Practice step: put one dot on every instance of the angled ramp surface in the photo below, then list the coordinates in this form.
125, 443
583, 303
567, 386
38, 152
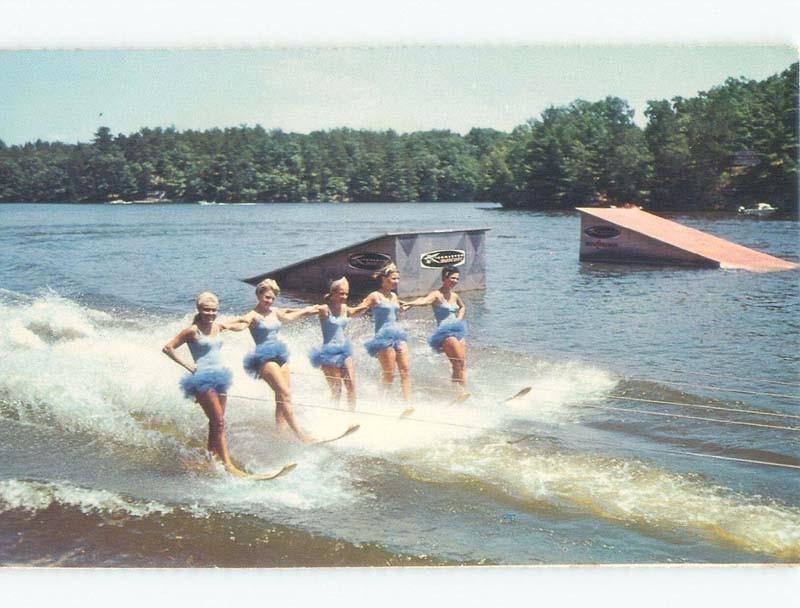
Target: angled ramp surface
646, 238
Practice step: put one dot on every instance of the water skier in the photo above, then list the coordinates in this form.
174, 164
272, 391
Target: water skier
270, 359
448, 310
390, 344
207, 381
335, 357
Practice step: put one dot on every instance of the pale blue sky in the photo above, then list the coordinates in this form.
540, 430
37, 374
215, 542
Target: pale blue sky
59, 95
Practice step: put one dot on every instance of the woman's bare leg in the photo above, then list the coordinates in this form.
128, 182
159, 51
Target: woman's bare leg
387, 358
456, 351
348, 375
276, 377
402, 360
213, 405
334, 377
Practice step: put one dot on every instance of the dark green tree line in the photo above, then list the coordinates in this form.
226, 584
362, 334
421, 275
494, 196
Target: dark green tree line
735, 144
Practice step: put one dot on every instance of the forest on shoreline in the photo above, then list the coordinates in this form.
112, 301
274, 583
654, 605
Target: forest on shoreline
736, 144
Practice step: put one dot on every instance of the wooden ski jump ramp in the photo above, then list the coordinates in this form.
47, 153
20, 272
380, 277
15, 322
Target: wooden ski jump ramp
631, 236
420, 257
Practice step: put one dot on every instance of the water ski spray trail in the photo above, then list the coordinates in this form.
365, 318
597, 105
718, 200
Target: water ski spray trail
39, 496
628, 491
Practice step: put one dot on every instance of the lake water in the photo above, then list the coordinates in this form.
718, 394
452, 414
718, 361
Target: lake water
662, 425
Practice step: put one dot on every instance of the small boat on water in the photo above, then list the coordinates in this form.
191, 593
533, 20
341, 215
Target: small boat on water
153, 196
760, 210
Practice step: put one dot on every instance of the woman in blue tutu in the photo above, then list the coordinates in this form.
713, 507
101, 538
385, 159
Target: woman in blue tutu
207, 381
335, 357
448, 310
390, 344
270, 359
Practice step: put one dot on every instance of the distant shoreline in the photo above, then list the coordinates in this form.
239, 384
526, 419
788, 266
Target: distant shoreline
484, 205
733, 146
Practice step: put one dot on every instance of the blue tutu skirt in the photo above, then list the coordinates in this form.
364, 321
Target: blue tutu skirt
455, 328
331, 354
271, 350
389, 336
205, 379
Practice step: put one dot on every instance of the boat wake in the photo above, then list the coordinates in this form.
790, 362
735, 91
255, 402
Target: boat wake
80, 376
564, 483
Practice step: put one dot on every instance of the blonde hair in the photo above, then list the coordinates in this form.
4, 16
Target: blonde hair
267, 284
337, 285
385, 271
204, 298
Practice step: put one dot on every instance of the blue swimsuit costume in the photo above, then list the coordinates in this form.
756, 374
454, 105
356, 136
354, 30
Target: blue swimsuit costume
387, 333
210, 374
449, 325
335, 347
268, 347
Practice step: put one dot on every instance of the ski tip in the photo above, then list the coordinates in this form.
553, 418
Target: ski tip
350, 430
520, 393
406, 412
460, 399
270, 476
287, 469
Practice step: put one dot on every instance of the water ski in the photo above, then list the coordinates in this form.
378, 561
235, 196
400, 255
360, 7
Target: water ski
406, 412
350, 430
270, 476
520, 393
460, 399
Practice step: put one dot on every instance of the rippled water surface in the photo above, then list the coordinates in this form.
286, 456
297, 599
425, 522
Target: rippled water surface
662, 424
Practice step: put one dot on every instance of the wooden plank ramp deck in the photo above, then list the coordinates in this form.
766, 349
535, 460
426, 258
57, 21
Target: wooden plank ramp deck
647, 238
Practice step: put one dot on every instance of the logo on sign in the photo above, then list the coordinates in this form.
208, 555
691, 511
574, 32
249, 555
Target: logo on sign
602, 232
442, 258
368, 261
